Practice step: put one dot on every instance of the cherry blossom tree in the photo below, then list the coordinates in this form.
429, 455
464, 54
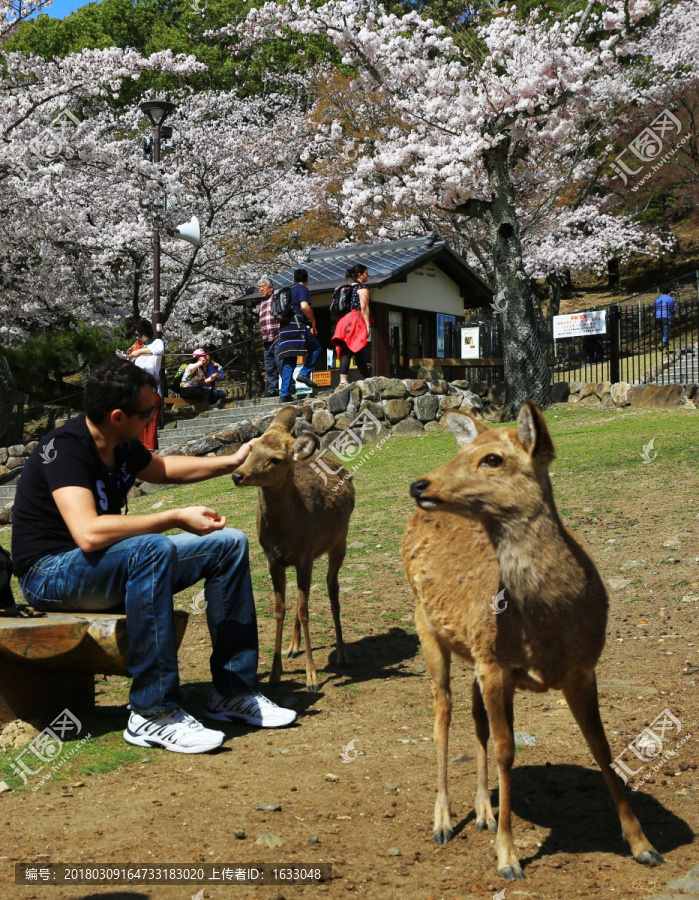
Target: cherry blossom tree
490, 128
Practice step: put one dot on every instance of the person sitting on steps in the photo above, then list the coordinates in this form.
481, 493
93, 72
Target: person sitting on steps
73, 550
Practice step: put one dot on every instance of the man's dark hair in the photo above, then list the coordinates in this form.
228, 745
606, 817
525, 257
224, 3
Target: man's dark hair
115, 384
300, 275
143, 326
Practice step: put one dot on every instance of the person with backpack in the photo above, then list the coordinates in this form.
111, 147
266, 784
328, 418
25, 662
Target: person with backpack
352, 332
297, 337
74, 550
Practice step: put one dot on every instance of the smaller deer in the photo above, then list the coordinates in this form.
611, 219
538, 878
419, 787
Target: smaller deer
488, 524
300, 518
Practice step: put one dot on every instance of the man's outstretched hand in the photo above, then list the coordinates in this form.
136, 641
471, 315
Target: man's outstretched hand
200, 520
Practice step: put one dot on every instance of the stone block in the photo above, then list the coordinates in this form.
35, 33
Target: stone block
228, 449
471, 401
322, 421
16, 450
344, 421
31, 447
690, 392
446, 403
327, 439
247, 431
426, 407
228, 435
407, 426
620, 392
656, 396
602, 389
374, 408
462, 385
264, 422
440, 387
590, 401
434, 426
3, 455
560, 391
496, 394
3, 471
586, 390
480, 387
202, 447
306, 411
338, 401
416, 388
576, 386
397, 410
391, 388
368, 390
15, 462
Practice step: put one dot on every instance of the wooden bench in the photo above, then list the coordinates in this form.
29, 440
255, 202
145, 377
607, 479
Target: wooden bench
50, 663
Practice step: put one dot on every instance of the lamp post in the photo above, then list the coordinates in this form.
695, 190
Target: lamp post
156, 111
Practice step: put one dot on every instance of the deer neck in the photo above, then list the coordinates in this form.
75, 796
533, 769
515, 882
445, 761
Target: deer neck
278, 496
533, 554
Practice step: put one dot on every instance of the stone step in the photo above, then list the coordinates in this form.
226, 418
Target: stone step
7, 494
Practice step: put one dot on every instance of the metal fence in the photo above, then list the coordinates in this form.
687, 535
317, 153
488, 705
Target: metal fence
634, 349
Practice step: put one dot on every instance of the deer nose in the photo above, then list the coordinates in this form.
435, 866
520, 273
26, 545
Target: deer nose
417, 488
238, 477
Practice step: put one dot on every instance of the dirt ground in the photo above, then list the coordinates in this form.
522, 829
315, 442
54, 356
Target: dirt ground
168, 808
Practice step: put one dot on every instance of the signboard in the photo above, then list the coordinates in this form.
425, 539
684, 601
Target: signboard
593, 321
322, 379
470, 343
441, 321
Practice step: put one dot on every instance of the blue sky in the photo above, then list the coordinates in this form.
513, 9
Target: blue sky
63, 8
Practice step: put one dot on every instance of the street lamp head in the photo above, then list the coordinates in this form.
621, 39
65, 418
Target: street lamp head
157, 110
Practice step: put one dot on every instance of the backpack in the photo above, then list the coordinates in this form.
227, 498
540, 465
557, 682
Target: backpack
176, 382
8, 607
341, 302
282, 310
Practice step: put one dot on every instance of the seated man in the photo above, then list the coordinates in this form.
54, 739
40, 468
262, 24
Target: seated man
73, 550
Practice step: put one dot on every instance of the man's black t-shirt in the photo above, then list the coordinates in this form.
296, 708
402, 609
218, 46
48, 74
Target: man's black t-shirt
67, 457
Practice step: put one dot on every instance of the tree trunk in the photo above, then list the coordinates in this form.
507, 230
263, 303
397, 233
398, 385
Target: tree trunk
526, 374
554, 294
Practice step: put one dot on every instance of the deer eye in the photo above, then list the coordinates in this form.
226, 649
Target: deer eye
275, 460
491, 461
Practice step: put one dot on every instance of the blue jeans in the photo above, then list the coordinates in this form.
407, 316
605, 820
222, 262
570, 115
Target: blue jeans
144, 573
313, 351
273, 366
666, 325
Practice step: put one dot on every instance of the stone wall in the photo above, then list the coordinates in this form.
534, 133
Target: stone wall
410, 406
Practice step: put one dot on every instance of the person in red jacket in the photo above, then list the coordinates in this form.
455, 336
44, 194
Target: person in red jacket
352, 332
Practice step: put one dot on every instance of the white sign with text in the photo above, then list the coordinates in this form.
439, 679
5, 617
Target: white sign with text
594, 321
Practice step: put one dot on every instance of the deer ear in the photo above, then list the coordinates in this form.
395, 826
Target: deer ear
464, 428
534, 434
285, 419
305, 445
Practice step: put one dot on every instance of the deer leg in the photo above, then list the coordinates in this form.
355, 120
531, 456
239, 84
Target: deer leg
438, 661
580, 691
497, 689
303, 582
294, 646
278, 575
335, 559
484, 811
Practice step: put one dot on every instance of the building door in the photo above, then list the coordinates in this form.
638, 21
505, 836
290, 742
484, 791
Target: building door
397, 360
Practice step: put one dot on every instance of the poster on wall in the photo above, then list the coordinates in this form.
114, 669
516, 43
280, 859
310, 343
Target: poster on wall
470, 344
593, 321
441, 322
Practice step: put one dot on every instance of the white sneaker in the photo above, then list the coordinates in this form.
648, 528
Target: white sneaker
176, 731
255, 709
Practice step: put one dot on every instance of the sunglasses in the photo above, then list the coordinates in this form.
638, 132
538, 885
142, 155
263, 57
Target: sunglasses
143, 415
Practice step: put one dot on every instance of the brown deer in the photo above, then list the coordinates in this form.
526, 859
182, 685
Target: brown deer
488, 523
301, 515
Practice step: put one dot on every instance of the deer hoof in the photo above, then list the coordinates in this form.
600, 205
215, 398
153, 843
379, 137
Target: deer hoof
650, 858
444, 836
292, 654
511, 873
491, 825
313, 688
